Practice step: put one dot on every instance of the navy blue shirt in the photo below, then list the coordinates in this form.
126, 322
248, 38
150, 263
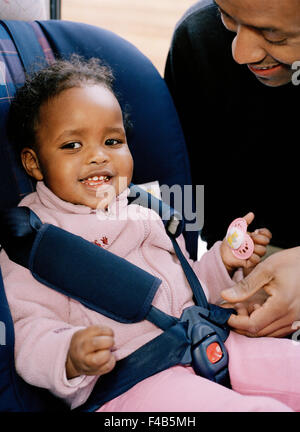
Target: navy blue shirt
242, 136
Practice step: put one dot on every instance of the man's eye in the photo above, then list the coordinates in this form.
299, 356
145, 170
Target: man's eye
281, 42
228, 21
112, 141
72, 145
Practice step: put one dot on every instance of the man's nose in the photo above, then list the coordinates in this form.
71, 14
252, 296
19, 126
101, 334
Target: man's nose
247, 46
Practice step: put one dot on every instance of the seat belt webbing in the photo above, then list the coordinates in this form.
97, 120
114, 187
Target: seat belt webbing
191, 276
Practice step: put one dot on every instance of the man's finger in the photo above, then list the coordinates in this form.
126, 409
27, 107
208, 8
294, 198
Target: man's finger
259, 319
277, 327
257, 279
282, 332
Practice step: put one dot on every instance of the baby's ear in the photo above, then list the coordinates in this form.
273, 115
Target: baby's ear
31, 163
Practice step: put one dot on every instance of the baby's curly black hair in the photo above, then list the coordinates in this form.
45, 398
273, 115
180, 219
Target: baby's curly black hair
47, 83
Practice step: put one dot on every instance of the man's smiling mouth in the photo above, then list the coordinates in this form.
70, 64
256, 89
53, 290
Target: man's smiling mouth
266, 71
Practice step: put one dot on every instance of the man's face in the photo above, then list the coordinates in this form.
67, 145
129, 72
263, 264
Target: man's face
267, 36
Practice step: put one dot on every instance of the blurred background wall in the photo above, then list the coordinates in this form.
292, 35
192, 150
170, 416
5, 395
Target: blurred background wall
148, 24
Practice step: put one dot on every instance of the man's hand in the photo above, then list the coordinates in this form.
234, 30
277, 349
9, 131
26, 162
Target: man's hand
279, 277
90, 352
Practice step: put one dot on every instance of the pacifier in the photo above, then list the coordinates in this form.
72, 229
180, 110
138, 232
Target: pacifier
238, 240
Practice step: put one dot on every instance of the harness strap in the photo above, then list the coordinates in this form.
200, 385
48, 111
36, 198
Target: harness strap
161, 319
190, 275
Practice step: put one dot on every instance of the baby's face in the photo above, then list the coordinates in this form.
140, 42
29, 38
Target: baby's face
82, 147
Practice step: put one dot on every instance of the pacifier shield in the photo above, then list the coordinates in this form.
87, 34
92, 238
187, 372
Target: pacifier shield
240, 243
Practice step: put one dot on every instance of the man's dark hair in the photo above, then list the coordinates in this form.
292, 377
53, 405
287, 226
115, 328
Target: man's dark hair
47, 83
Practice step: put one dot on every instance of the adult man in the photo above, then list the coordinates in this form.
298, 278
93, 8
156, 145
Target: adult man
230, 71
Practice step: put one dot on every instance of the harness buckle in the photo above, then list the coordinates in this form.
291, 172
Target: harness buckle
208, 355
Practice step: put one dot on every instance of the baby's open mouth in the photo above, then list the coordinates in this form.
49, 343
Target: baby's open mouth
96, 180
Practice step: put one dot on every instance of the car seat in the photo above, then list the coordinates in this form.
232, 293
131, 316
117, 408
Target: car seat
156, 142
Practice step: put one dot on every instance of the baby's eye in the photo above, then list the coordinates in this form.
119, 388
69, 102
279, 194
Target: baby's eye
72, 145
112, 142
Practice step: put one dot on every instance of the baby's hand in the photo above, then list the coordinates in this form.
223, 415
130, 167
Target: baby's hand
261, 238
90, 352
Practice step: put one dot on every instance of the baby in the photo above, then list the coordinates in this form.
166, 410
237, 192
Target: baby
71, 135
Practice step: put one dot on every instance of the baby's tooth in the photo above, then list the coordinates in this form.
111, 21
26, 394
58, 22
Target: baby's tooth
96, 178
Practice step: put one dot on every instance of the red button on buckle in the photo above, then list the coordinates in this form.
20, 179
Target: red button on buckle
214, 352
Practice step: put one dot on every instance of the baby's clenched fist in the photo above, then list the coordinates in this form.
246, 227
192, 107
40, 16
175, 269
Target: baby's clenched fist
90, 352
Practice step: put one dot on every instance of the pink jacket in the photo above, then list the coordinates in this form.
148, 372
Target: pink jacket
45, 320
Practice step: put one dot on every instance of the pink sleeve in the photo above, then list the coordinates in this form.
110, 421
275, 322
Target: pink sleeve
42, 334
211, 272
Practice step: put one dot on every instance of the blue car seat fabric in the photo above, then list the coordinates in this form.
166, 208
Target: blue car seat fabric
15, 183
157, 144
15, 394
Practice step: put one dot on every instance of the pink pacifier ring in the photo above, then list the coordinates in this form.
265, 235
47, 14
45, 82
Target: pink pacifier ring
240, 243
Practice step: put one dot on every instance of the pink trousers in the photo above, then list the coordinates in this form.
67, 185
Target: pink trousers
264, 373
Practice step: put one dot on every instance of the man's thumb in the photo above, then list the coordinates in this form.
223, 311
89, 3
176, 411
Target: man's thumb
238, 292
248, 286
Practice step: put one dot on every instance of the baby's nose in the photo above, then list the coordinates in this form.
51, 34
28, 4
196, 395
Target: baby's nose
98, 156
